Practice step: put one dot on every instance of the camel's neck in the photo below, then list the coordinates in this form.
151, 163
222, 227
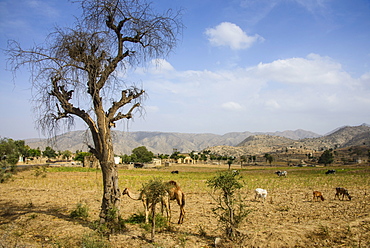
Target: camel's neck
134, 196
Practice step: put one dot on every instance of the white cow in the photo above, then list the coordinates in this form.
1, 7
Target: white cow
260, 193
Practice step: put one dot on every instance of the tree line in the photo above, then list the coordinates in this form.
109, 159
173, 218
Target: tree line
12, 150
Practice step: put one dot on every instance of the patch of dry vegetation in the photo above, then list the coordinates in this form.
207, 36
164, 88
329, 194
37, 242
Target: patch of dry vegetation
36, 211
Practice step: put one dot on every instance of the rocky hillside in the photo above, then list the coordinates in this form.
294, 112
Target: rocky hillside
259, 144
159, 142
235, 143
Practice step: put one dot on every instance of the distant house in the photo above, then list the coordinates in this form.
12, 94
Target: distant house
157, 162
117, 160
186, 160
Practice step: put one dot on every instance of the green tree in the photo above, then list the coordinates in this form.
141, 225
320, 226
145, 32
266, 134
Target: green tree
66, 154
80, 156
142, 154
203, 157
230, 210
251, 159
75, 73
175, 155
11, 150
269, 158
326, 158
230, 160
35, 153
243, 159
163, 156
126, 158
49, 152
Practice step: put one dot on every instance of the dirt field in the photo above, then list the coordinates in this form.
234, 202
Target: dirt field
35, 210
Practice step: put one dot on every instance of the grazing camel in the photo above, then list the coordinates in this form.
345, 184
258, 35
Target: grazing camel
139, 197
175, 193
317, 195
146, 201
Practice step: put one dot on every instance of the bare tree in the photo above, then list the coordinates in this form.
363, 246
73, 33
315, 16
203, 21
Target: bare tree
75, 73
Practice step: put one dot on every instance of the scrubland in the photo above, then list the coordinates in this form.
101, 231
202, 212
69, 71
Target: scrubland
36, 206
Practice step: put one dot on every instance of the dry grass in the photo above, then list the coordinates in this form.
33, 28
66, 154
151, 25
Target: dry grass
35, 211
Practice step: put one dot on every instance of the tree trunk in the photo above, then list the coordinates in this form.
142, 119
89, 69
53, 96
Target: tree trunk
111, 195
104, 152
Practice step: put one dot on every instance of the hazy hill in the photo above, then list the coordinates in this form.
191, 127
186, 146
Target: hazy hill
230, 143
259, 144
158, 142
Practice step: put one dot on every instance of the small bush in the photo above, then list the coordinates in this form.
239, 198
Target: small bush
40, 171
5, 175
109, 228
230, 210
161, 223
202, 232
81, 211
6, 171
94, 241
136, 219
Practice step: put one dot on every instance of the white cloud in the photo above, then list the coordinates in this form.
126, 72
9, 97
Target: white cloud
285, 91
314, 70
272, 104
160, 66
232, 106
231, 35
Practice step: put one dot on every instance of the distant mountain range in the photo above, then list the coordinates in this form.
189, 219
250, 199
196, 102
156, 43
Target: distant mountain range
164, 143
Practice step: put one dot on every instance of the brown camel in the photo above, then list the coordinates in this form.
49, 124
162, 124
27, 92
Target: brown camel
175, 193
139, 197
146, 202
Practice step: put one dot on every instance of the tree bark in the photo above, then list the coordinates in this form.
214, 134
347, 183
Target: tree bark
111, 195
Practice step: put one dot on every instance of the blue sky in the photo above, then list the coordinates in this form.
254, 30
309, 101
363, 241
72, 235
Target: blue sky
240, 65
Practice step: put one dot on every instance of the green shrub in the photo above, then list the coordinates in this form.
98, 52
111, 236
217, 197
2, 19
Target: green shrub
5, 175
40, 171
6, 171
136, 219
161, 223
95, 241
81, 211
230, 210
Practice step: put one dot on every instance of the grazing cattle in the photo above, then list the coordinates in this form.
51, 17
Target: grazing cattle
342, 192
260, 193
318, 195
235, 172
175, 172
330, 172
281, 173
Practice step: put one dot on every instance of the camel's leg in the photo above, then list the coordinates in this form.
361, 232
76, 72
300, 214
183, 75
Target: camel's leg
165, 204
146, 209
182, 214
169, 210
180, 198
